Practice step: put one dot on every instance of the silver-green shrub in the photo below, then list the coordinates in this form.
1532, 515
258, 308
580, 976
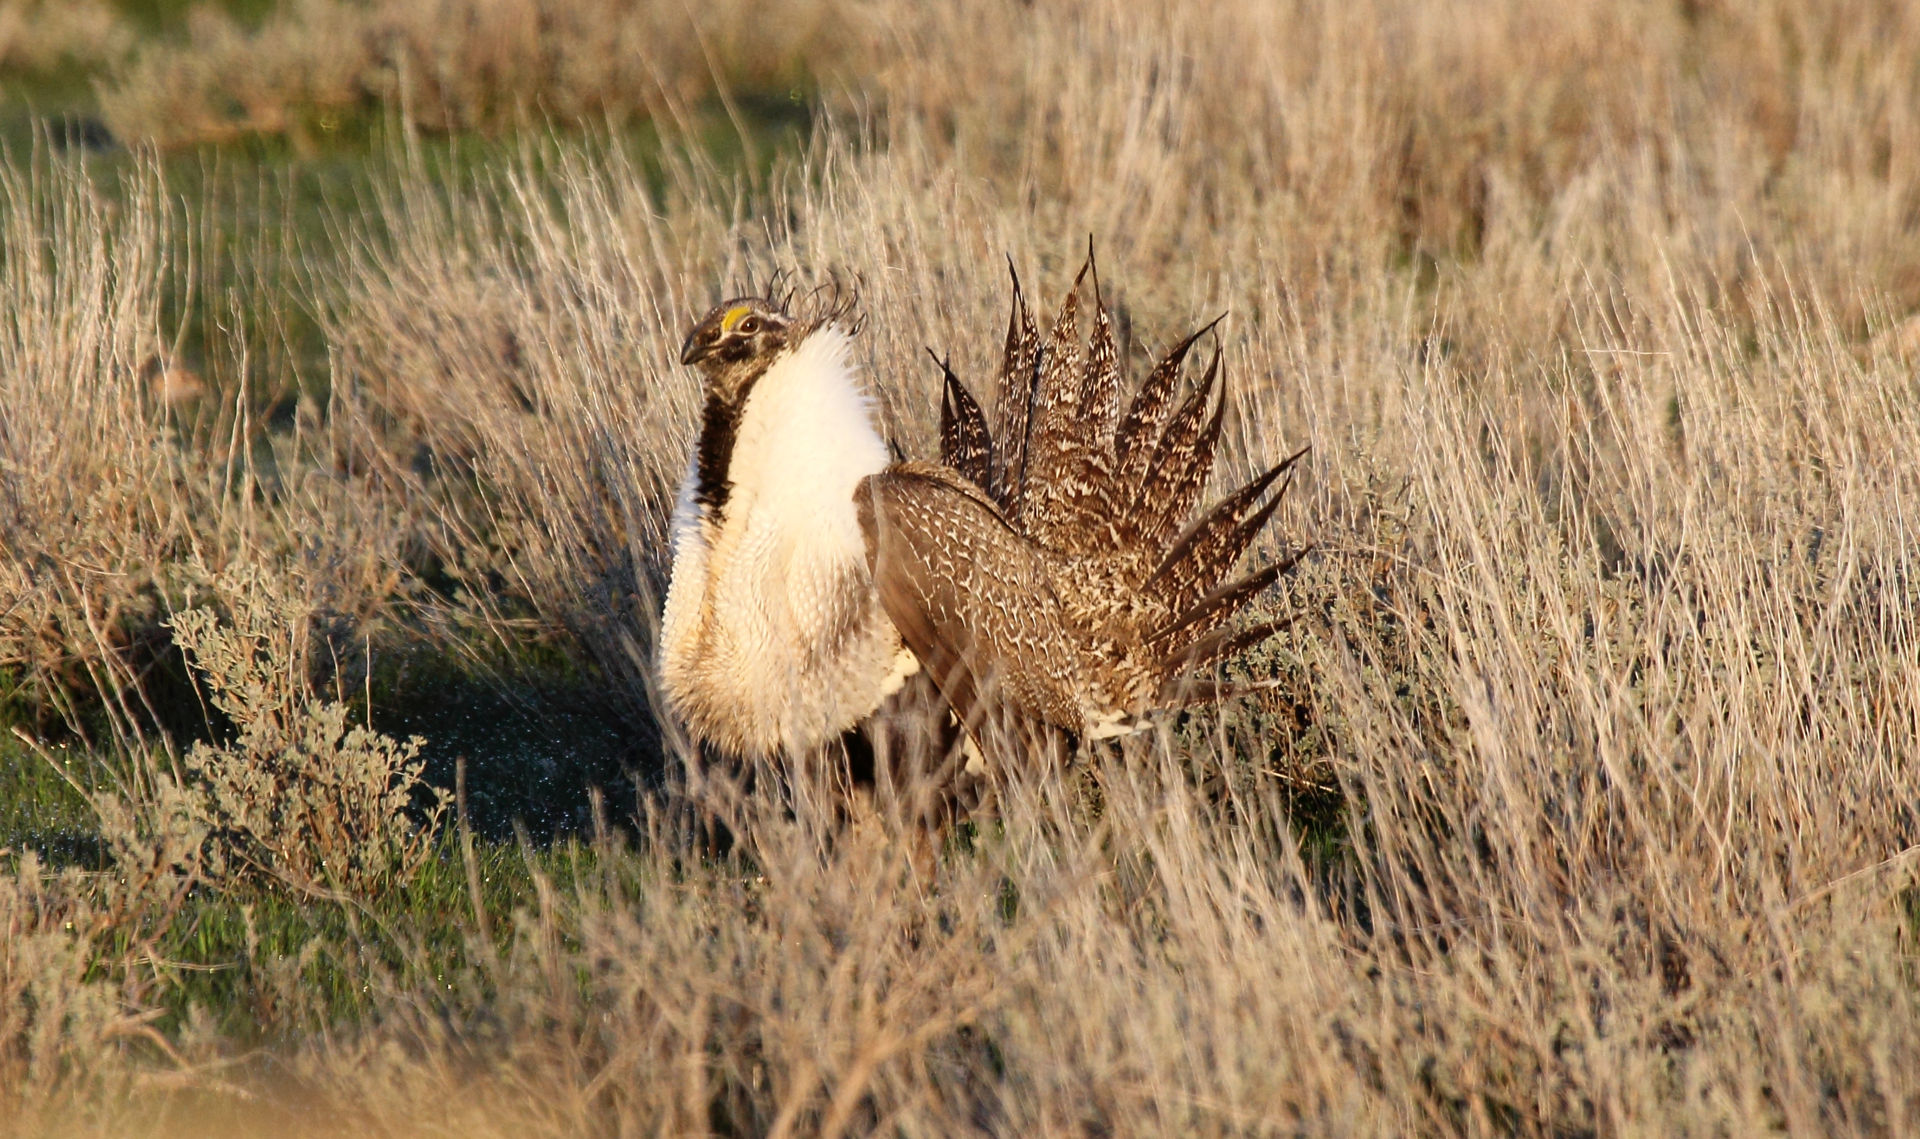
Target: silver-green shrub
299, 796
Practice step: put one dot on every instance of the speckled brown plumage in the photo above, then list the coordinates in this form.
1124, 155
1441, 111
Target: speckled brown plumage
969, 594
1147, 416
966, 445
1013, 403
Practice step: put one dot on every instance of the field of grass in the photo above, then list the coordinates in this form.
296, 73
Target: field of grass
340, 418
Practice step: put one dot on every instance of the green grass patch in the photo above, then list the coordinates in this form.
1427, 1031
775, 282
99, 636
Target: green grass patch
40, 809
267, 963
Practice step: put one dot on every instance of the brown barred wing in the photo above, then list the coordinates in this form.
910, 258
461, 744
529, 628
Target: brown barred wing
972, 599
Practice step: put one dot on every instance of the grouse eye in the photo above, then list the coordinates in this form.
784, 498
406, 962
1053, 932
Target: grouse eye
748, 326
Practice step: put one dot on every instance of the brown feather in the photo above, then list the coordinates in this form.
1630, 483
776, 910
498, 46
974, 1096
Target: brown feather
1050, 573
965, 444
1100, 390
1013, 402
1202, 556
1182, 460
1221, 605
1195, 691
1054, 441
1146, 416
1221, 644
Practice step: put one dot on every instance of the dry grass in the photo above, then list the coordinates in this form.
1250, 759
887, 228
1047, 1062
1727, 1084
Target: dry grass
1599, 323
40, 35
91, 480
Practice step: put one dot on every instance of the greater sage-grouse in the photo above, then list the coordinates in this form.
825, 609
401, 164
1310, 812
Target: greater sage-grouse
1044, 574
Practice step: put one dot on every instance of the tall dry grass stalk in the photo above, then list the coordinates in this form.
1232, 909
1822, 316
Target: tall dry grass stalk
94, 493
1598, 325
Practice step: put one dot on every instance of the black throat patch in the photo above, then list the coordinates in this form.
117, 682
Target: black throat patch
719, 425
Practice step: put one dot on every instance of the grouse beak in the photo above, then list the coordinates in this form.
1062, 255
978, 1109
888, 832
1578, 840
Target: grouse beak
692, 352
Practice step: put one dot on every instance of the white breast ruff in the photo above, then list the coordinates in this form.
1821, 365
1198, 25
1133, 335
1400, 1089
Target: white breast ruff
773, 638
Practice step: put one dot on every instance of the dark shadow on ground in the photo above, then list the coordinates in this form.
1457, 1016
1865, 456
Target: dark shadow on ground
537, 748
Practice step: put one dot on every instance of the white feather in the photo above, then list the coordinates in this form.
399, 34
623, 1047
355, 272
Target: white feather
773, 638
905, 667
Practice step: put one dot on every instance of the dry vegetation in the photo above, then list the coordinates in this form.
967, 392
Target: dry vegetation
40, 35
464, 64
1603, 691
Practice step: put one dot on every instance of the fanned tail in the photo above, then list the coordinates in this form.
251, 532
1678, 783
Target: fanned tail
1090, 592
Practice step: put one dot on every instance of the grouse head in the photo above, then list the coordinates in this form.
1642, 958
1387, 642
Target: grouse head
733, 344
